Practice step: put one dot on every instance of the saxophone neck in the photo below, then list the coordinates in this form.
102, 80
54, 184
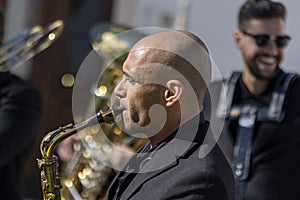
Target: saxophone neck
50, 141
53, 138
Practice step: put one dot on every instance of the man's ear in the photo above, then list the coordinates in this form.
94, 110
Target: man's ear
237, 36
173, 92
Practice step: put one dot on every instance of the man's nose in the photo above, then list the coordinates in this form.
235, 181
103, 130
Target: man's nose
119, 90
271, 48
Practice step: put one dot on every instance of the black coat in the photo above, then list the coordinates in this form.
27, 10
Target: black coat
175, 172
20, 111
275, 162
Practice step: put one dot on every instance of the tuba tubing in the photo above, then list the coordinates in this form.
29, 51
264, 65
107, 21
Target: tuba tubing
50, 180
27, 44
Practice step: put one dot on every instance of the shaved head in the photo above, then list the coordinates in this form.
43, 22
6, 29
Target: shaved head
181, 50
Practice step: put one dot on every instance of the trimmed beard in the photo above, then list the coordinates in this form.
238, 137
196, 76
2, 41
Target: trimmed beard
255, 70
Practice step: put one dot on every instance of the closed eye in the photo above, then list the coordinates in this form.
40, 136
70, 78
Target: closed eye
129, 78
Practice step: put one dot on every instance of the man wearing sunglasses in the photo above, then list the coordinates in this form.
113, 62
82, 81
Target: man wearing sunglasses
261, 133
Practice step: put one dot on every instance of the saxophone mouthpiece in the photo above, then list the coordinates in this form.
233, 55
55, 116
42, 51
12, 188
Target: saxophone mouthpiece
109, 115
117, 110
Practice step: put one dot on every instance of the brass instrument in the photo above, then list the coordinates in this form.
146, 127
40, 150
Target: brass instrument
49, 165
27, 44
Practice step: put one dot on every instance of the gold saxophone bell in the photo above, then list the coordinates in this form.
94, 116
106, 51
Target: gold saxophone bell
49, 165
27, 44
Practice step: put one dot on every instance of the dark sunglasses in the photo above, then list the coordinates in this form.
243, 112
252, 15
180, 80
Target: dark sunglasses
263, 40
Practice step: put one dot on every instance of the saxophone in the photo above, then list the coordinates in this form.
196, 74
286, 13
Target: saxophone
49, 166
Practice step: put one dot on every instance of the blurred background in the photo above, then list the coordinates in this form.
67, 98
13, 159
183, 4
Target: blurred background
212, 20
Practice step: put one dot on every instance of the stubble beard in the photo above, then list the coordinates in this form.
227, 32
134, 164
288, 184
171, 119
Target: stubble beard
254, 69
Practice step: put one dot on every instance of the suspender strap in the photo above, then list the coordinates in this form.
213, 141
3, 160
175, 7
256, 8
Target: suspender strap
242, 149
247, 115
226, 95
276, 111
273, 112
